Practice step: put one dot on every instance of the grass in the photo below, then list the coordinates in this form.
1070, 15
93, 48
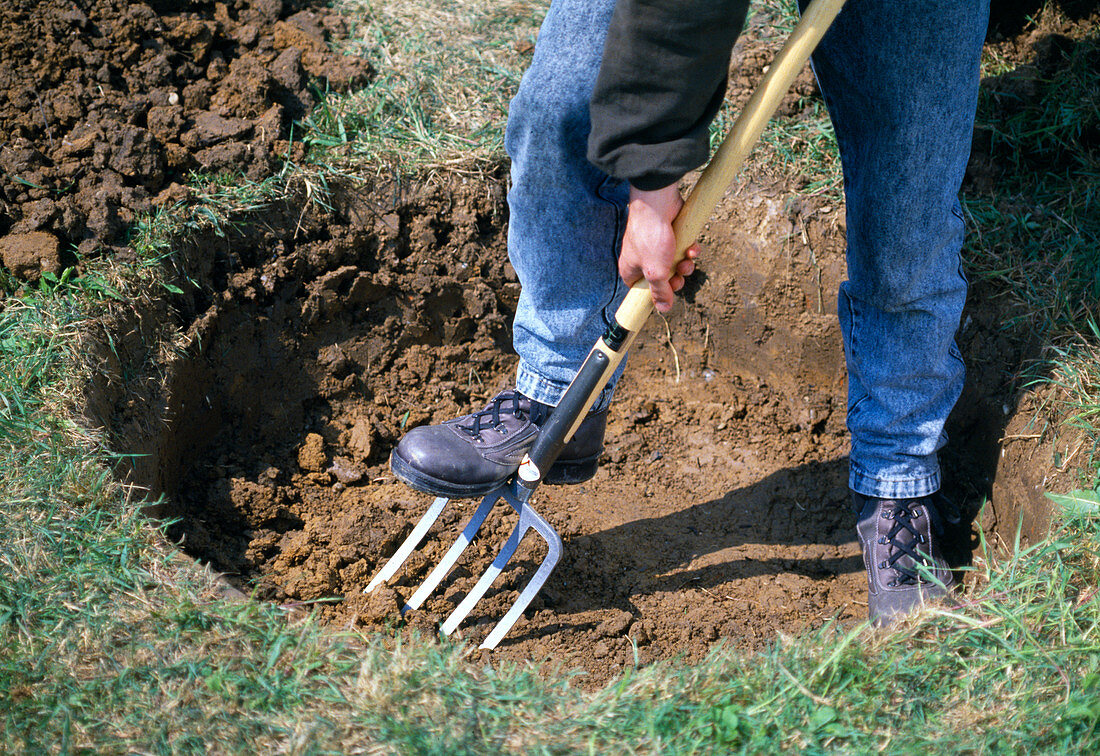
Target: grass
1074, 371
805, 146
1040, 230
447, 70
445, 73
111, 642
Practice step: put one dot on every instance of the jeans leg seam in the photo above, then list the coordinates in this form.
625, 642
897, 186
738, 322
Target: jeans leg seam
601, 192
853, 319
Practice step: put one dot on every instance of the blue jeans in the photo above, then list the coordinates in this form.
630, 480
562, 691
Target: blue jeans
900, 80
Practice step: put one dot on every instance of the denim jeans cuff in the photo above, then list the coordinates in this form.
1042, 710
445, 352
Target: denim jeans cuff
535, 386
864, 483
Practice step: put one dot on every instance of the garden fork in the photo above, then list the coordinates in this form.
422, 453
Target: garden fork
605, 356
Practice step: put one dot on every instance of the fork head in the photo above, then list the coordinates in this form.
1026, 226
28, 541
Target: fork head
518, 497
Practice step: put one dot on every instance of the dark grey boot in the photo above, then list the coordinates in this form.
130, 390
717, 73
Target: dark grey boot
897, 536
473, 454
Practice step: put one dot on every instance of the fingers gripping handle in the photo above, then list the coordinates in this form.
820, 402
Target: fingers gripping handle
635, 309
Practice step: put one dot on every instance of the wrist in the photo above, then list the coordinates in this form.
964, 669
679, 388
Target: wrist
664, 202
651, 196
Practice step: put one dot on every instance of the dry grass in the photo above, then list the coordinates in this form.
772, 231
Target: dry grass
446, 72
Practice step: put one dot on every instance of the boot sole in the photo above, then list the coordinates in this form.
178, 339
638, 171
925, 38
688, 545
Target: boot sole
562, 473
419, 481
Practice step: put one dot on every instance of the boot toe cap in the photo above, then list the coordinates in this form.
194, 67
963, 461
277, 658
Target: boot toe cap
430, 453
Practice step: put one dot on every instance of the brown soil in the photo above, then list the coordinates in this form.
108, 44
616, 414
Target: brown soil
720, 510
317, 338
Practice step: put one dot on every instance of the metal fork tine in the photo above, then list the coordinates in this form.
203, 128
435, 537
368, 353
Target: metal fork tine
414, 539
528, 519
553, 554
486, 580
453, 553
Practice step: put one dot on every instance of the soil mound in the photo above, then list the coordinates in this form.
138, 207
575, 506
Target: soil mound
107, 106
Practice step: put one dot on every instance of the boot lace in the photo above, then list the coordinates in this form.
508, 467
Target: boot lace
506, 403
903, 539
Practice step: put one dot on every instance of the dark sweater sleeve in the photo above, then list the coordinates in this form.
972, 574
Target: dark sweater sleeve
660, 84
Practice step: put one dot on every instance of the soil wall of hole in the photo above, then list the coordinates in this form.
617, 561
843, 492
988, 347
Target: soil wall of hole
263, 406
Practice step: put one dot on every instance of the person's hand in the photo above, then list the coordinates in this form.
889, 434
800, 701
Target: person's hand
649, 245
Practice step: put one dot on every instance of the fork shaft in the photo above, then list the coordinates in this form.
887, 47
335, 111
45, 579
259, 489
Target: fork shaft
565, 418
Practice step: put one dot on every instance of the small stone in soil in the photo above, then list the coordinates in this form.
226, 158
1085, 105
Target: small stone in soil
614, 625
